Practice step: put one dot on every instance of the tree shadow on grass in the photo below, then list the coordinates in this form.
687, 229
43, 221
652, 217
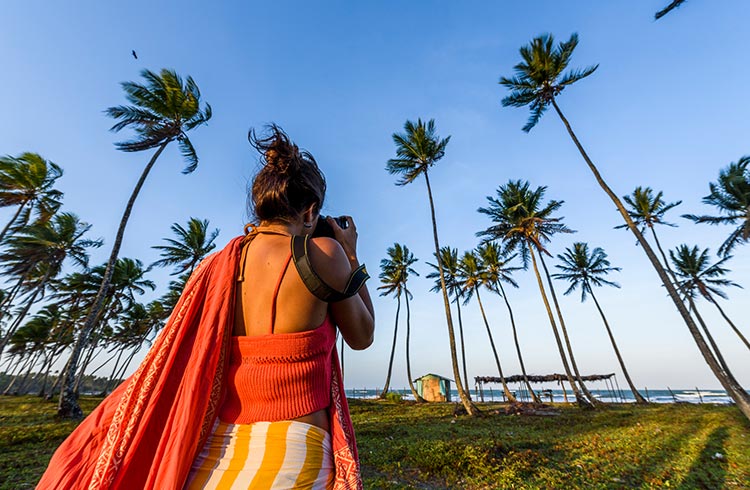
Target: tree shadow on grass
709, 470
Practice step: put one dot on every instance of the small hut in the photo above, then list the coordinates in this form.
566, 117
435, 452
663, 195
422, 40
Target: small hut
434, 388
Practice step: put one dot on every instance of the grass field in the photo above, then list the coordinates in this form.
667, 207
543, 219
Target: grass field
404, 445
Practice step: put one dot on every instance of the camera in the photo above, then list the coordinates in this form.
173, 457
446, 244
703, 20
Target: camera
325, 229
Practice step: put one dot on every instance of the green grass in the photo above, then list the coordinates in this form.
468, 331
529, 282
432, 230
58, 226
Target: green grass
404, 445
29, 434
667, 446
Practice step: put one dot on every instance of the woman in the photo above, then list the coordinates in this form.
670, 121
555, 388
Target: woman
278, 318
242, 389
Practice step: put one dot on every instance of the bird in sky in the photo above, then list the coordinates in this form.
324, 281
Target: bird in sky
134, 55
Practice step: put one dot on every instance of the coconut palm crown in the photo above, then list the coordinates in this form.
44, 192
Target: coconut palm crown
396, 270
417, 149
731, 195
520, 218
27, 181
163, 110
191, 246
647, 209
539, 78
584, 269
697, 276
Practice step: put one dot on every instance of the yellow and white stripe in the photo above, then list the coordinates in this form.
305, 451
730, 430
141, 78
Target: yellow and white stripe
264, 455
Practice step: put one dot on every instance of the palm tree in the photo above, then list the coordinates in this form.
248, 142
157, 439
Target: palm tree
731, 195
497, 271
30, 341
539, 79
27, 181
417, 149
127, 281
37, 253
584, 270
174, 291
449, 259
646, 211
522, 223
698, 277
190, 247
163, 110
394, 274
471, 276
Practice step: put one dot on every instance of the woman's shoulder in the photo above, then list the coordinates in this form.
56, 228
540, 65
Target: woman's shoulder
329, 261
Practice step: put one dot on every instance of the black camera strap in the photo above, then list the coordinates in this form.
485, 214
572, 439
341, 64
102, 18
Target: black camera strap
312, 280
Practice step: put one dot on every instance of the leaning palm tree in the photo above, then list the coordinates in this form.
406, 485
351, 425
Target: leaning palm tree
27, 181
449, 259
523, 223
584, 269
698, 277
163, 110
539, 79
417, 149
731, 195
497, 269
394, 274
647, 210
472, 275
37, 253
190, 247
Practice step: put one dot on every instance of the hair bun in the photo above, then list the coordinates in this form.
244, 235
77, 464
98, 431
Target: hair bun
280, 154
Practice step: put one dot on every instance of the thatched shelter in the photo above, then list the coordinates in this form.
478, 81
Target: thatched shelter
434, 388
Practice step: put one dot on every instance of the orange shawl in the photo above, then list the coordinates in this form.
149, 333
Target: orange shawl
148, 431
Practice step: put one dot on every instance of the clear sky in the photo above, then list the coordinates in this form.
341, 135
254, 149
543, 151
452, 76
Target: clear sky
667, 108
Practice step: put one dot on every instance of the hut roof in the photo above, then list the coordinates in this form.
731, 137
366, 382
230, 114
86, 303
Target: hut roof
546, 378
434, 376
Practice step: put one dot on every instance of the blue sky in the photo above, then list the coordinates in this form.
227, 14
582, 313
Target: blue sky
667, 108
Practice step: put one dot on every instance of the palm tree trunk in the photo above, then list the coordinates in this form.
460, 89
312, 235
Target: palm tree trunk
35, 357
584, 388
393, 349
121, 373
636, 394
534, 397
507, 392
694, 309
68, 406
731, 324
579, 398
710, 338
471, 409
12, 220
734, 390
15, 376
418, 398
84, 366
463, 345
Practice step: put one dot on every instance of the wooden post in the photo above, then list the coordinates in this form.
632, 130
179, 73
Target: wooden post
565, 393
674, 398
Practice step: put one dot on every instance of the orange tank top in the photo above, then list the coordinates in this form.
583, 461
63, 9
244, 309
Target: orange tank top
276, 377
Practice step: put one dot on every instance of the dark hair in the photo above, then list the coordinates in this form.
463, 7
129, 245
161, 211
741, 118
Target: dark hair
289, 180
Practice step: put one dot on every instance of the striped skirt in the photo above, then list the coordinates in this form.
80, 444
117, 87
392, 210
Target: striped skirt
264, 455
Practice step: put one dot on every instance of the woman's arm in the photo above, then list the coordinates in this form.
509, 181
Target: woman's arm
334, 260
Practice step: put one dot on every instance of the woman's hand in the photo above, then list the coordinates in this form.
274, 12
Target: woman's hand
347, 237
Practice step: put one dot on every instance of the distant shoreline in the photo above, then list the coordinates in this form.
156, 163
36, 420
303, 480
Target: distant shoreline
685, 395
